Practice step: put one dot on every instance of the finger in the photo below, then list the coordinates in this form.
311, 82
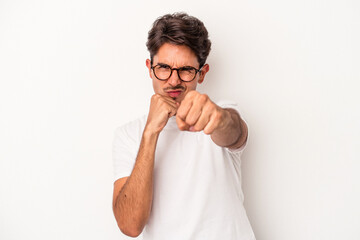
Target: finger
174, 109
201, 122
182, 124
171, 108
169, 101
172, 112
184, 108
212, 124
164, 104
194, 113
172, 105
169, 105
168, 98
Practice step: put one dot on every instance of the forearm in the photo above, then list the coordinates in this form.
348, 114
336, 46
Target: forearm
233, 134
133, 204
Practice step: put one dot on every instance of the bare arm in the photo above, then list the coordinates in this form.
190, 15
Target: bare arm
132, 197
132, 201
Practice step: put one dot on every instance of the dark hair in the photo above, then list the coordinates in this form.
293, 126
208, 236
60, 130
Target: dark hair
180, 29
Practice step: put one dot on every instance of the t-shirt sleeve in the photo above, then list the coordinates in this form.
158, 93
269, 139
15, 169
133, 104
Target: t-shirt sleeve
124, 152
233, 105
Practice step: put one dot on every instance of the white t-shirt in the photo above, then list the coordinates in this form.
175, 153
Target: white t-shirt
197, 184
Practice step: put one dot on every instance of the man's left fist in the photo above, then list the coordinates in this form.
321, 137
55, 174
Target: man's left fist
197, 112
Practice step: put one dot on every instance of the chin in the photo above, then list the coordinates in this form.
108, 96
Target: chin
179, 100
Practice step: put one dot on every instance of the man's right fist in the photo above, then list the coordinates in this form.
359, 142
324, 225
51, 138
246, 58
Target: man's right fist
161, 109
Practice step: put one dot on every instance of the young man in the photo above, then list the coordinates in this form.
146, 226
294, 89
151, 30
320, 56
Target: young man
177, 169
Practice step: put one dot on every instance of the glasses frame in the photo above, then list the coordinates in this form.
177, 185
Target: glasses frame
177, 70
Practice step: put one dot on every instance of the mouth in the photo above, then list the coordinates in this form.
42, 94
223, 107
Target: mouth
174, 94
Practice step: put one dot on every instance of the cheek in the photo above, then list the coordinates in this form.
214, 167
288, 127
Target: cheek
191, 86
157, 85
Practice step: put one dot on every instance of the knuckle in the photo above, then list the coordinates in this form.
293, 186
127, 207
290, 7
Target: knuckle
217, 112
155, 96
214, 108
203, 98
192, 93
217, 115
208, 108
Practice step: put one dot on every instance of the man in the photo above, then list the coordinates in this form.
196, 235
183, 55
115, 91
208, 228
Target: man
177, 169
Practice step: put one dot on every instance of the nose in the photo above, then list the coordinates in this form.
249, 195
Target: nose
174, 80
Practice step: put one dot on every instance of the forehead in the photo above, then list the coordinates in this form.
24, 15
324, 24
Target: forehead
176, 55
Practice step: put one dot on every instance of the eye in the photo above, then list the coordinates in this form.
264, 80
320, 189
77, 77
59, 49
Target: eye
163, 66
187, 69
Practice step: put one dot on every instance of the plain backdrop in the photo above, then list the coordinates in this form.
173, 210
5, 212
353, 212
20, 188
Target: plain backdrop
73, 71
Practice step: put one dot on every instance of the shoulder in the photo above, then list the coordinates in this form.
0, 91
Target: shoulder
131, 129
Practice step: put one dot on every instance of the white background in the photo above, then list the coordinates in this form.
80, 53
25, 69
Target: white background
72, 71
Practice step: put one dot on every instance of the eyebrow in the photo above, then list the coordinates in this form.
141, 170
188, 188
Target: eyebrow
162, 64
167, 65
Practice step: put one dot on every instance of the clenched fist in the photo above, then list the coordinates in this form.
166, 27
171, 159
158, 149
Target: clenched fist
197, 112
161, 109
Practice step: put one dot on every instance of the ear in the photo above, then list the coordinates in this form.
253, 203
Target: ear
203, 72
148, 65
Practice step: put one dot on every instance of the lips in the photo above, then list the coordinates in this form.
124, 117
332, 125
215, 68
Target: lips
174, 94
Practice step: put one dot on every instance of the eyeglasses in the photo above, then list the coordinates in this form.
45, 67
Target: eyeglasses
163, 72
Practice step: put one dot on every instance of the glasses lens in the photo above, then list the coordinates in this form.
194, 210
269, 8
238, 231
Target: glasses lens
162, 72
187, 74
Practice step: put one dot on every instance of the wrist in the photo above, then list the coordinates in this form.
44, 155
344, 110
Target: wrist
229, 127
150, 132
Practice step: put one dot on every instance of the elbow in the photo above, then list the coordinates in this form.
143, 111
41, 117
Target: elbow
130, 230
130, 223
